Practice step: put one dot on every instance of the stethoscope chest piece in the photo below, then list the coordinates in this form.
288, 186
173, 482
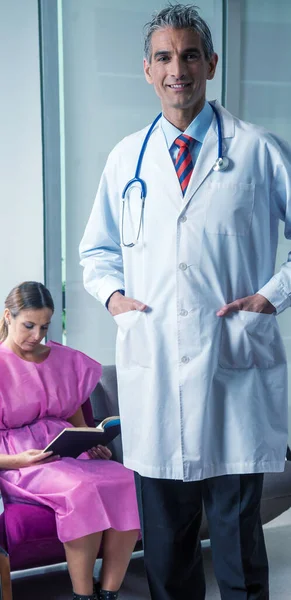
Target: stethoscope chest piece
221, 164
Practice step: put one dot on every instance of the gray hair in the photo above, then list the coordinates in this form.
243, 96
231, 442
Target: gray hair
179, 16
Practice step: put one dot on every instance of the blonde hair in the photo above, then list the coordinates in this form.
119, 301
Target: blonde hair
3, 329
27, 295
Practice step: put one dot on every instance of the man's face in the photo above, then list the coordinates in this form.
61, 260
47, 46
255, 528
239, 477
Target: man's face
179, 70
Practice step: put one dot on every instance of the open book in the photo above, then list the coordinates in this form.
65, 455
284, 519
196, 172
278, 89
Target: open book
72, 441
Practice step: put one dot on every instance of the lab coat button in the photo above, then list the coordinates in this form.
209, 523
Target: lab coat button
183, 312
185, 359
183, 266
183, 219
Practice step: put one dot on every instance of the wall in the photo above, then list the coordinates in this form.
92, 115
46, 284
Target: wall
21, 205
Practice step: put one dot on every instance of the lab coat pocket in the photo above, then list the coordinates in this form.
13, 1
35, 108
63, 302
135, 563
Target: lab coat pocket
250, 340
132, 345
230, 208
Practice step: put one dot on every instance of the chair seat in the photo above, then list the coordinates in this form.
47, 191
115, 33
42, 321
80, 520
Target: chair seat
31, 536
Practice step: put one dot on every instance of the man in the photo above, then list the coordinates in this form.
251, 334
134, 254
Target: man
188, 276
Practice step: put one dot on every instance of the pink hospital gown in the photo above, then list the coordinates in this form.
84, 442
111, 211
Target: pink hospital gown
35, 400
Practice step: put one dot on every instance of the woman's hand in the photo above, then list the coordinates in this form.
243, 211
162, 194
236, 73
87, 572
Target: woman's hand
30, 458
100, 452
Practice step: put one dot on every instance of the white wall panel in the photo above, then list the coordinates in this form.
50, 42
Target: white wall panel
21, 199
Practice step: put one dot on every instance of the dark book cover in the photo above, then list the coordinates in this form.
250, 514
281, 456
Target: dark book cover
73, 441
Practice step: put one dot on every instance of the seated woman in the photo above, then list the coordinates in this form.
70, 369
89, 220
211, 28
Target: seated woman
42, 389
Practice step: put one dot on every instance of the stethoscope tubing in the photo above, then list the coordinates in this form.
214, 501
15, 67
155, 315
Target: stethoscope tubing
219, 131
136, 178
143, 188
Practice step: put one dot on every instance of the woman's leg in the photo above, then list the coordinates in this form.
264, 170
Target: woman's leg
117, 550
81, 556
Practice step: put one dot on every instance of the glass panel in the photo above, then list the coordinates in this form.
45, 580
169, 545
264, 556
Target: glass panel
265, 93
21, 181
265, 65
105, 97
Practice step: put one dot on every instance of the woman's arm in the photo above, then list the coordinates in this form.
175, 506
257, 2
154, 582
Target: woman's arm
78, 419
28, 458
7, 461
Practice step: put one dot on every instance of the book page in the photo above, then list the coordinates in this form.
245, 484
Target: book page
108, 420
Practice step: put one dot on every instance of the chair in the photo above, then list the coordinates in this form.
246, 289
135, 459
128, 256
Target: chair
28, 532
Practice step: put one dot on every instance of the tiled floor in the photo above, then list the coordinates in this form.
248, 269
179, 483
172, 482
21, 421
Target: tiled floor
56, 585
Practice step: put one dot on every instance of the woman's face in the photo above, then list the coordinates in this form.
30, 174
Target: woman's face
29, 328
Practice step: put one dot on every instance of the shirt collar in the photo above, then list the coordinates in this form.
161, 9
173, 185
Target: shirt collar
197, 128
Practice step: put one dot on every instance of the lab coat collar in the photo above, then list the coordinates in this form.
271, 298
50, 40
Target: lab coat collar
227, 121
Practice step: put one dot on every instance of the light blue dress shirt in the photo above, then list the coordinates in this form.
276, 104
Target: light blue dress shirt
197, 130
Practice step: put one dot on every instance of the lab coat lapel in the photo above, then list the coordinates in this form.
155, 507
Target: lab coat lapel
209, 152
162, 168
204, 164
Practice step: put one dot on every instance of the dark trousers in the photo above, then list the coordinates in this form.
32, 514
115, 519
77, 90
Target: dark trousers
171, 513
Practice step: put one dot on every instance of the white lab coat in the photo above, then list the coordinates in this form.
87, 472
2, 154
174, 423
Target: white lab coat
200, 396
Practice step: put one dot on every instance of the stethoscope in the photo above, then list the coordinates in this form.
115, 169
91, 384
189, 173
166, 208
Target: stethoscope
221, 164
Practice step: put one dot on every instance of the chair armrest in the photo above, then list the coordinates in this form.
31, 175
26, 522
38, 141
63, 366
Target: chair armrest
104, 401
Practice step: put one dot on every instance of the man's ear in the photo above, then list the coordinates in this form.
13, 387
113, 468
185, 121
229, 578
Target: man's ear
147, 70
212, 66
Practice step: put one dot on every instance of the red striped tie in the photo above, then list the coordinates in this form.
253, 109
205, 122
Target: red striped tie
183, 163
